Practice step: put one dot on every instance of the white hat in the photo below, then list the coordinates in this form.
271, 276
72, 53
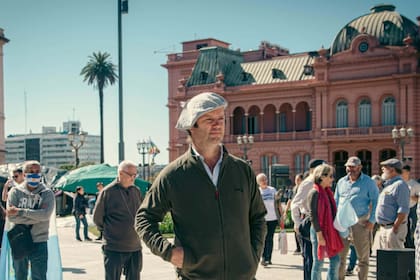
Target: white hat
197, 106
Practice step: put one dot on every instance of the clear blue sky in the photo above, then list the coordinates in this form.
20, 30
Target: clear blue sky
50, 41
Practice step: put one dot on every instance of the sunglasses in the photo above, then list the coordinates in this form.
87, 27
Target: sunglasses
129, 174
15, 176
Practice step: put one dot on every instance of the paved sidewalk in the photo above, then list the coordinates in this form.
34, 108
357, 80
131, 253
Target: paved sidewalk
83, 260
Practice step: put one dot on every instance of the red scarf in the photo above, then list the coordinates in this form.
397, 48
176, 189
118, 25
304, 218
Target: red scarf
327, 210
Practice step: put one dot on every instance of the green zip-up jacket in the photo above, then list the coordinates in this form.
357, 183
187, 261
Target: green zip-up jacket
221, 228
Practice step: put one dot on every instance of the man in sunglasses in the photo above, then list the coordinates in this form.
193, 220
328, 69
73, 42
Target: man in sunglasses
16, 179
32, 203
114, 215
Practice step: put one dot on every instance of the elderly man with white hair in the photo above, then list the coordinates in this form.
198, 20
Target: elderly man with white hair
213, 199
268, 194
114, 215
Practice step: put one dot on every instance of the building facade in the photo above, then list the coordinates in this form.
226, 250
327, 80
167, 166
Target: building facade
52, 148
330, 104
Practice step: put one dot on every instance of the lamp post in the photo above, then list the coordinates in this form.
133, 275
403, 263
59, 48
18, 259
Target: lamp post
122, 9
76, 142
402, 136
245, 144
143, 149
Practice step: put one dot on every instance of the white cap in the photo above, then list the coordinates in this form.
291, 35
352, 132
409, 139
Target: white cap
197, 106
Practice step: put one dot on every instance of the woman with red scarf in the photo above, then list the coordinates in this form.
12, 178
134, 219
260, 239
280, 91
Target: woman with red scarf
326, 241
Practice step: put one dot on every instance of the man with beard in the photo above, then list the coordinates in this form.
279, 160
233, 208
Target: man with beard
363, 193
393, 206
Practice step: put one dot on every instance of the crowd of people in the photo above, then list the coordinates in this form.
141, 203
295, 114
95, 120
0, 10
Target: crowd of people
224, 216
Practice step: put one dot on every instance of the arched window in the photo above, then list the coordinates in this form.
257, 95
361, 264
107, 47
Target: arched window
298, 163
253, 120
366, 158
365, 115
340, 158
239, 121
286, 118
388, 111
269, 119
266, 161
302, 117
342, 114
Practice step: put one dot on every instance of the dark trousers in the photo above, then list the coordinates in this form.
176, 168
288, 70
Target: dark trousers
298, 241
39, 261
268, 244
129, 263
307, 258
411, 227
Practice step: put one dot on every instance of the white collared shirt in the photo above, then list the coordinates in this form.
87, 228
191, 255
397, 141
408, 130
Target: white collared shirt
214, 176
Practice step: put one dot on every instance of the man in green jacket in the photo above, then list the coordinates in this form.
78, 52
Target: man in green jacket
214, 201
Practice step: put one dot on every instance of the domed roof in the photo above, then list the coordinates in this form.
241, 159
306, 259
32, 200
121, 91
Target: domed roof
384, 23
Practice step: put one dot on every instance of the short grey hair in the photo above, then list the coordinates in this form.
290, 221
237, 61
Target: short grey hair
126, 164
322, 170
28, 165
261, 176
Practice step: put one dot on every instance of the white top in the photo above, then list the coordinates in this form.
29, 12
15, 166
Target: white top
300, 201
214, 176
268, 195
414, 190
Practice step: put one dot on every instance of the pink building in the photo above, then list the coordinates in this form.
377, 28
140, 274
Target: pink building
330, 104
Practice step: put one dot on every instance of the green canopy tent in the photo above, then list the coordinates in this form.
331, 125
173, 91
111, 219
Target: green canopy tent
88, 176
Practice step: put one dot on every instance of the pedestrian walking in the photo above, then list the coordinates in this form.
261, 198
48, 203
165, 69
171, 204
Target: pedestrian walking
79, 212
268, 195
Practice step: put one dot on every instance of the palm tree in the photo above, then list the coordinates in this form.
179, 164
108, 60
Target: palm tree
100, 72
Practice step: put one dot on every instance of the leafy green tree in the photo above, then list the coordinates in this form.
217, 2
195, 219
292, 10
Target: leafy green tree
99, 72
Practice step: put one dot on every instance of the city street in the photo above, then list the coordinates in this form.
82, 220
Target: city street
83, 260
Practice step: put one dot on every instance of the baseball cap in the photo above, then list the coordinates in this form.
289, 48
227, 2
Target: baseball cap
353, 161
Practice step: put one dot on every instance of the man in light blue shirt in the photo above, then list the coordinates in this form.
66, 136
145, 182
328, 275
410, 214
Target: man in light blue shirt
393, 206
363, 194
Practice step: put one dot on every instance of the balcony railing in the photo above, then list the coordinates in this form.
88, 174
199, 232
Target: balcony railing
324, 134
377, 131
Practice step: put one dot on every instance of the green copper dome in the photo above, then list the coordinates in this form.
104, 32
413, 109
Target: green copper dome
383, 22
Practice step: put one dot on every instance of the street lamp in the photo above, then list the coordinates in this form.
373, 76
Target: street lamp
402, 136
122, 9
77, 141
245, 144
143, 148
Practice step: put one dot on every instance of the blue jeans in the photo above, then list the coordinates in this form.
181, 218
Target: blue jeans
352, 259
318, 264
39, 261
85, 226
307, 258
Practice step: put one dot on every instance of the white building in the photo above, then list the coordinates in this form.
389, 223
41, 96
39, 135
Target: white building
52, 148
